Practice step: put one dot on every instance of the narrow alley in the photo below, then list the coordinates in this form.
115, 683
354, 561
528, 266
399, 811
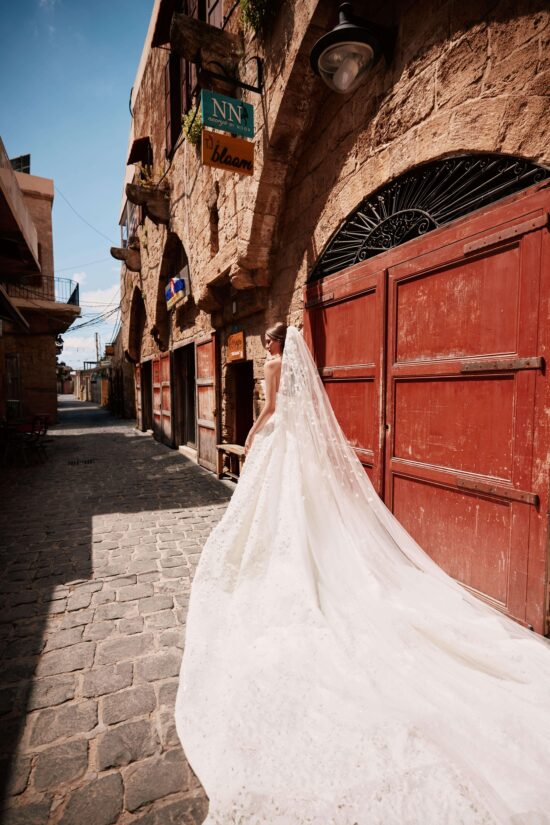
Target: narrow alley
98, 549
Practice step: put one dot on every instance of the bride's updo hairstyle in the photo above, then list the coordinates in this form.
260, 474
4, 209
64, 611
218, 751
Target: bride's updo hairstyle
278, 333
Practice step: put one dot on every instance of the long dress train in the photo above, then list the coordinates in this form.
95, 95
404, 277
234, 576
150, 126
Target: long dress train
333, 674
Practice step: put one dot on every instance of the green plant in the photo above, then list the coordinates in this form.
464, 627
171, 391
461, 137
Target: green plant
192, 126
254, 14
145, 175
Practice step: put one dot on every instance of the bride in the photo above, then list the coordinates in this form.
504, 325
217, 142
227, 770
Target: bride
333, 674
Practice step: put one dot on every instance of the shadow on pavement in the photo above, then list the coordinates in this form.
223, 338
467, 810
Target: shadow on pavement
52, 546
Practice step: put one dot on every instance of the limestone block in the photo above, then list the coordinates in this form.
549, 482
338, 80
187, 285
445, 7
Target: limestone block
461, 68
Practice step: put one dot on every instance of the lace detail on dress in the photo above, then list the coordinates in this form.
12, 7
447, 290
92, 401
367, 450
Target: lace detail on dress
333, 674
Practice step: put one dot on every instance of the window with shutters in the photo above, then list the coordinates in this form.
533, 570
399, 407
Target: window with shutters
180, 78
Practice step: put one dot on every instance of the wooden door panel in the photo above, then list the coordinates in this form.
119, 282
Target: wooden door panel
157, 399
139, 408
460, 413
439, 422
458, 394
207, 414
458, 309
439, 518
350, 400
346, 334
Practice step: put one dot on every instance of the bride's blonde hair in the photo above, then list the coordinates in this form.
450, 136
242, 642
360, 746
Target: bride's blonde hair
278, 333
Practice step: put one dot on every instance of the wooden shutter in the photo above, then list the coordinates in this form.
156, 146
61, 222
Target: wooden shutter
214, 13
207, 414
167, 107
139, 410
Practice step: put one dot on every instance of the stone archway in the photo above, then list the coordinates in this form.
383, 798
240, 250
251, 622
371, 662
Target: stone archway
174, 264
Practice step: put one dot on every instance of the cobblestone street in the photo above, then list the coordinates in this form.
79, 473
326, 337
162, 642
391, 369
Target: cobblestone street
98, 549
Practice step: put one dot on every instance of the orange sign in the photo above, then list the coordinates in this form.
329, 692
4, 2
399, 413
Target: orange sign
235, 347
224, 152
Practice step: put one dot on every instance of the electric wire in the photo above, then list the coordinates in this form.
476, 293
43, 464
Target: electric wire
69, 204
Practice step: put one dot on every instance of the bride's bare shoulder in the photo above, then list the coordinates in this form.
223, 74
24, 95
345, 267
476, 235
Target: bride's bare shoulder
273, 366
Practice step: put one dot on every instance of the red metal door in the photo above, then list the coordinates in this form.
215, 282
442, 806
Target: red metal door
345, 331
162, 404
464, 439
207, 414
139, 410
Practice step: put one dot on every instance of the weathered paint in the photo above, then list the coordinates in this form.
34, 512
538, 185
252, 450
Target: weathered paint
431, 355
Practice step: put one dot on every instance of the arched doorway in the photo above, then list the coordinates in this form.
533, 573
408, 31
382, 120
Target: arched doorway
432, 353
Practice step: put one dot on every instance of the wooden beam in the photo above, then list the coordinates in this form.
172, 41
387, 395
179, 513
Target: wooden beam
131, 257
196, 40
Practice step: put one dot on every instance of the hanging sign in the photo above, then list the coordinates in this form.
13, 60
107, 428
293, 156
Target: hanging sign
227, 113
174, 292
231, 154
236, 350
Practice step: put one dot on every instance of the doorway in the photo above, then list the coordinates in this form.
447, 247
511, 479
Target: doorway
242, 375
146, 396
432, 356
185, 419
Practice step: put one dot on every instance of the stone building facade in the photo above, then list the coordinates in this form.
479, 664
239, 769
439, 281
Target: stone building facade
464, 80
40, 306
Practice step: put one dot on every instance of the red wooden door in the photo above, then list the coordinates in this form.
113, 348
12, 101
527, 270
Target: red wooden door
345, 330
207, 414
462, 365
139, 409
162, 402
464, 441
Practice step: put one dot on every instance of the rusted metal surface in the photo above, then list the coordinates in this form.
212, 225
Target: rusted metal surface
505, 364
506, 234
207, 414
437, 375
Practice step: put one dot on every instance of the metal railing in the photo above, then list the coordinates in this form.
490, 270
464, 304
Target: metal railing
60, 290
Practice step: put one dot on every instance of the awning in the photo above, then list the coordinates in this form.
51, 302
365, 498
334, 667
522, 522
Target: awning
161, 34
141, 152
9, 312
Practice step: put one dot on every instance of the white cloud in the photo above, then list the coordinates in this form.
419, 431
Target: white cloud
79, 277
101, 299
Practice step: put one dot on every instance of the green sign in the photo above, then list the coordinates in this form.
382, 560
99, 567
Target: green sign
227, 114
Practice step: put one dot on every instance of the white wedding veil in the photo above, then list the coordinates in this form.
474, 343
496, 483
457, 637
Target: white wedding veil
333, 673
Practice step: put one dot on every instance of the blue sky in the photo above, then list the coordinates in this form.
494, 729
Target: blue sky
66, 70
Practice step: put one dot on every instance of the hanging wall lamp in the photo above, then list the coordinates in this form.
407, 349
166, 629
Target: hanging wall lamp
344, 55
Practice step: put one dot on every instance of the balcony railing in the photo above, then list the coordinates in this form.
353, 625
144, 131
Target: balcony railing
60, 290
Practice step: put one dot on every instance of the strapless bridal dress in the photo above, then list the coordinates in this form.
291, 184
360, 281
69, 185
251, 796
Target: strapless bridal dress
333, 674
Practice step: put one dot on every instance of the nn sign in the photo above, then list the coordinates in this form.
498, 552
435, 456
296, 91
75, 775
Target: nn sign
227, 113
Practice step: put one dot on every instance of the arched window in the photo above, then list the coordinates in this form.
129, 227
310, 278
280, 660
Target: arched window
423, 199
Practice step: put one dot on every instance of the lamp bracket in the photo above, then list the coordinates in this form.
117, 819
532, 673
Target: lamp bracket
229, 76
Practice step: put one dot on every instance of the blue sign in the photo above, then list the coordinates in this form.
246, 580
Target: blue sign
227, 114
174, 292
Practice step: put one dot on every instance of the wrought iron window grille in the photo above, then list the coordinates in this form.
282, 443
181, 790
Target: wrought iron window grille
427, 197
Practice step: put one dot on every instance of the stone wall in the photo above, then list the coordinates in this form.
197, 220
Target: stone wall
465, 77
38, 377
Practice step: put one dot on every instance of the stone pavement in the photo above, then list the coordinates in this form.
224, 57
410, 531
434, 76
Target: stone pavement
97, 551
